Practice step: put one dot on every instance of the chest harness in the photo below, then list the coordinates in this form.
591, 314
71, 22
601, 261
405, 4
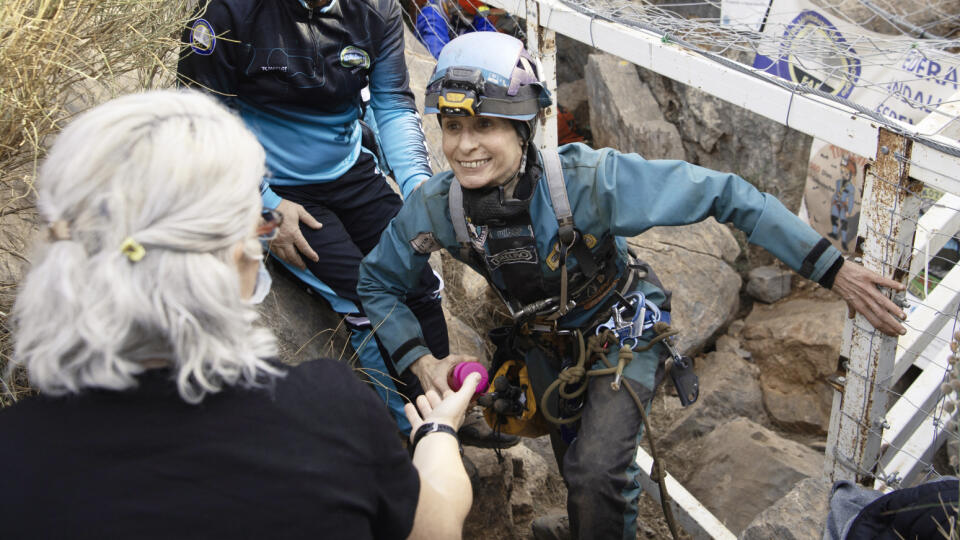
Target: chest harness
497, 234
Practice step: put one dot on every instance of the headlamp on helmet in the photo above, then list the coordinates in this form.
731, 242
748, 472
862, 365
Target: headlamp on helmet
460, 92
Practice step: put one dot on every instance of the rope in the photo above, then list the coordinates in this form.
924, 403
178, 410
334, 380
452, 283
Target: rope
578, 373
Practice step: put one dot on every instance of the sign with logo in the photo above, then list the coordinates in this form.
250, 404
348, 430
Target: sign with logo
896, 76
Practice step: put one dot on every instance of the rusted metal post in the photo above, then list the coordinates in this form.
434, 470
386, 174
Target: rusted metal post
889, 212
542, 44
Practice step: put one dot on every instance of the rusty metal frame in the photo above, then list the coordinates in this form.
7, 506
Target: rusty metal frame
890, 210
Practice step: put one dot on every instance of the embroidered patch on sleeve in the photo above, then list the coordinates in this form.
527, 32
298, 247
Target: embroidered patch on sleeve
425, 242
202, 38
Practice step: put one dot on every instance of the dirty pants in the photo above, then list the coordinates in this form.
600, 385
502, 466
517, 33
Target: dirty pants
599, 466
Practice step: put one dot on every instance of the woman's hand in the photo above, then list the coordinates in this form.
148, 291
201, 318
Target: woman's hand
433, 371
449, 410
290, 242
859, 287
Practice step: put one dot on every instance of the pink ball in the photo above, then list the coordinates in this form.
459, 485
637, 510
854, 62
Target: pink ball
459, 374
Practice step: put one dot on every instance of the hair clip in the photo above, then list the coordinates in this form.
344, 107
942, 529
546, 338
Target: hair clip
58, 230
132, 249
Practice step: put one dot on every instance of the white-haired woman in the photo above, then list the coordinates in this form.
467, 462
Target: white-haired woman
161, 413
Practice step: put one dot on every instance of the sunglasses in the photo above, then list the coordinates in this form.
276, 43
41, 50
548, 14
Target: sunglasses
269, 225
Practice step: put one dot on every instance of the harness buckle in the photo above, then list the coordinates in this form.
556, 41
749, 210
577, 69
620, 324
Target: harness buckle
630, 316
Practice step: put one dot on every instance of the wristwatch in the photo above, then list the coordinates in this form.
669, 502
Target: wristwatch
432, 427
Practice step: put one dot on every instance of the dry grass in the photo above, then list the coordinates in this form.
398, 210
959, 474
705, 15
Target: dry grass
59, 58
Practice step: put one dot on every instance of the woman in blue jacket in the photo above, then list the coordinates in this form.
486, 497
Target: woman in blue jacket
556, 254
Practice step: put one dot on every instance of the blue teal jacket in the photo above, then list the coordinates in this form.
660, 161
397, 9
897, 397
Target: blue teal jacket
295, 75
610, 193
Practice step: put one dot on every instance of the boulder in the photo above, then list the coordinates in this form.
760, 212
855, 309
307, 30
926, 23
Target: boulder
305, 326
624, 114
729, 389
730, 344
571, 58
801, 514
694, 261
796, 344
769, 283
724, 137
745, 468
507, 496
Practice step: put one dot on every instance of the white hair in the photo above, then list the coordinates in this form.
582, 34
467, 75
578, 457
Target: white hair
177, 173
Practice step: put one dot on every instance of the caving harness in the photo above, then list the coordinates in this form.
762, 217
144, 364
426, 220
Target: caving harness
502, 242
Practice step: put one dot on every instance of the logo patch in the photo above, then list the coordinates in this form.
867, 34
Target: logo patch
425, 243
512, 256
478, 235
202, 38
354, 57
553, 259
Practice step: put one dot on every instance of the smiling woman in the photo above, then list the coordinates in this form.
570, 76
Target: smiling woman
482, 151
548, 229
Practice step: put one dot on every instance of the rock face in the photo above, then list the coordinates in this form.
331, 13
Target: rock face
305, 326
801, 514
746, 468
724, 137
624, 114
694, 262
509, 495
729, 389
796, 344
769, 283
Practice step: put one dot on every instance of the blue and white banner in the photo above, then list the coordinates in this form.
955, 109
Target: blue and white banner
900, 77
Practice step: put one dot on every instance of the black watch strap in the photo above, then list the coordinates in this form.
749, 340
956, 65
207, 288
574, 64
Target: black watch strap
432, 427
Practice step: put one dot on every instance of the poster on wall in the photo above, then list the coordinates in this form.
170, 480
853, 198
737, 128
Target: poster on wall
894, 76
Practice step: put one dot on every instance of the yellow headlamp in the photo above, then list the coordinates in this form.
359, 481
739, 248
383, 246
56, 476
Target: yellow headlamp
457, 102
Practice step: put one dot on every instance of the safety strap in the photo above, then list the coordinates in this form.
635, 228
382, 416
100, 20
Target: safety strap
458, 220
558, 196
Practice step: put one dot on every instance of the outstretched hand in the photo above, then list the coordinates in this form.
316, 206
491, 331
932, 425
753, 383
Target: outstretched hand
290, 242
449, 410
859, 287
433, 371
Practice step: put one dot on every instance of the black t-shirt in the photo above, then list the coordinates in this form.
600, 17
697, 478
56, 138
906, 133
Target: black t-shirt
317, 456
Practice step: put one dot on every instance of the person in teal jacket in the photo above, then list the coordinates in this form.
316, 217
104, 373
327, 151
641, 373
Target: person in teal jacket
562, 273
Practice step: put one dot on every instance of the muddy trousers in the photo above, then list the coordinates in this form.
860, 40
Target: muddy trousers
599, 466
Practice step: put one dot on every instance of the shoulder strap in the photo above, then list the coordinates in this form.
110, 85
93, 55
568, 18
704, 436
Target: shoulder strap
561, 206
457, 219
558, 195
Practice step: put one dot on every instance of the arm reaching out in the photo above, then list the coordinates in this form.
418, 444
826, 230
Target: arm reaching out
445, 492
859, 287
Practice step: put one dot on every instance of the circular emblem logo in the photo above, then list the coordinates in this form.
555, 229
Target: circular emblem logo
202, 38
353, 57
818, 56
